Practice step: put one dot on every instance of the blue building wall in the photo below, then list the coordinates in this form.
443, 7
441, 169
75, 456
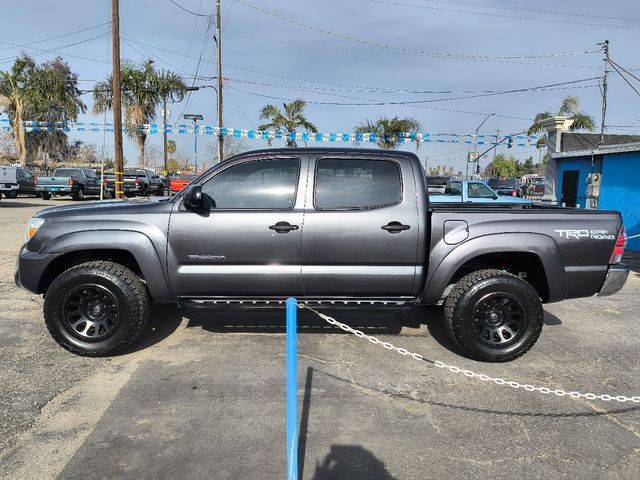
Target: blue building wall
620, 190
619, 187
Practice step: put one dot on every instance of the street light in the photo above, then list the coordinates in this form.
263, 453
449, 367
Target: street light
475, 142
195, 117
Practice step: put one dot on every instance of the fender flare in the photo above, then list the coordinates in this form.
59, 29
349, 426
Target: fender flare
136, 243
543, 246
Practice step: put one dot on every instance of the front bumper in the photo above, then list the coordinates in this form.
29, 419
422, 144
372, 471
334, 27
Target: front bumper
30, 267
614, 281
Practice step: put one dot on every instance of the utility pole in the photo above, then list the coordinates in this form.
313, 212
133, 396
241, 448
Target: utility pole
117, 97
605, 48
493, 162
219, 45
164, 141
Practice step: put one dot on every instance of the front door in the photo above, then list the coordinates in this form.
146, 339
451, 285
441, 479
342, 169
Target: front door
246, 243
569, 193
361, 228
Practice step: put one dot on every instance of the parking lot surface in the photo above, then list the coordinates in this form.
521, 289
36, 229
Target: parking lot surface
204, 396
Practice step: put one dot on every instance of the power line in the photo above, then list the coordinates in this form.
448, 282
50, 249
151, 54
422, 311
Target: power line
188, 11
623, 69
624, 78
546, 20
452, 56
273, 97
502, 6
56, 49
52, 38
554, 86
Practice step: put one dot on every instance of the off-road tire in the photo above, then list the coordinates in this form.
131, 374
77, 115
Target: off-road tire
45, 195
133, 307
461, 318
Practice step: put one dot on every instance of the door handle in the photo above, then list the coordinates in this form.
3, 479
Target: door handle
283, 227
395, 227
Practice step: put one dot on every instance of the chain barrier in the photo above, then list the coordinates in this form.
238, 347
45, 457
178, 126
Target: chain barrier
469, 373
629, 237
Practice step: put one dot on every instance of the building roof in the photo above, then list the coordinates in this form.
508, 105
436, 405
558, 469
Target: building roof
572, 141
575, 144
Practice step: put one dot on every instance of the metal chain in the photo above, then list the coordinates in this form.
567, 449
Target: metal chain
629, 237
468, 373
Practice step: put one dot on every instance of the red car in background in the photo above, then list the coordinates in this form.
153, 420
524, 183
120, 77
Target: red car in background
184, 179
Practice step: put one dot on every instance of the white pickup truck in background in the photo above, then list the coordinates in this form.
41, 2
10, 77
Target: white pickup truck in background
8, 179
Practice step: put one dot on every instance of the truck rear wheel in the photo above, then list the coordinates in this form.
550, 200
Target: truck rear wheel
79, 195
45, 195
493, 316
97, 308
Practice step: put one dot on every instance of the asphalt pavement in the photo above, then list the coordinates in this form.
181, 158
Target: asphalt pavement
204, 396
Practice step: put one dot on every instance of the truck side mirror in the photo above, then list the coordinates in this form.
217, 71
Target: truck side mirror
193, 198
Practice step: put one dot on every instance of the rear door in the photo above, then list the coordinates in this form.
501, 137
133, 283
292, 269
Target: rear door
247, 243
361, 229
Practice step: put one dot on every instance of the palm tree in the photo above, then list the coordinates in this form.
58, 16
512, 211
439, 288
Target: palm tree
46, 92
287, 121
143, 89
570, 107
16, 90
388, 130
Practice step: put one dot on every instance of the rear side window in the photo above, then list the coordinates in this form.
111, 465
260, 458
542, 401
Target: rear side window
353, 184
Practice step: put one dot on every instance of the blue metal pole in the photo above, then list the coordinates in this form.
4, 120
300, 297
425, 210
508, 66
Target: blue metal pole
195, 150
292, 390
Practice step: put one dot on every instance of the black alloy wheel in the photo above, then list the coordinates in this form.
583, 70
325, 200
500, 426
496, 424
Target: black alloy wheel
90, 312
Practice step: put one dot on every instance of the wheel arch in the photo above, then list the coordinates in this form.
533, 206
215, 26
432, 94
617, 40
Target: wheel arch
539, 253
131, 249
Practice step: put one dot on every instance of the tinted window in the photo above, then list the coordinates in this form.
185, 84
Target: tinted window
502, 182
135, 173
357, 184
262, 184
479, 190
67, 172
453, 188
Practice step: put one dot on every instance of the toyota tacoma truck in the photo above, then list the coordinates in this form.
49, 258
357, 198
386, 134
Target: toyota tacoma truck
331, 227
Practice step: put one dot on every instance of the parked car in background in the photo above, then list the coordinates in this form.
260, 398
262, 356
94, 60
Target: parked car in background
532, 186
74, 182
177, 184
140, 182
437, 183
507, 186
8, 180
473, 191
27, 184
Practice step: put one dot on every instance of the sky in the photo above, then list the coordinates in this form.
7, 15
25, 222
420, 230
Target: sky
335, 52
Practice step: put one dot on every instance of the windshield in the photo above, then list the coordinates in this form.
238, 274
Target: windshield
67, 172
503, 183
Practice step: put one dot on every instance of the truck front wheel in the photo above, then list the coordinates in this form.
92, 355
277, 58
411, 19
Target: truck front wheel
96, 308
493, 316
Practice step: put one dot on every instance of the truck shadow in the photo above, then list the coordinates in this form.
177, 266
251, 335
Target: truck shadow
18, 204
165, 319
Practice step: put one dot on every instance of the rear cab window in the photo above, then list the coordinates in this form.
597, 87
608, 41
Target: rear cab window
356, 184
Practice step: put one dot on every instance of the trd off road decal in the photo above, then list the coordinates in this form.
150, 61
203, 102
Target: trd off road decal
584, 233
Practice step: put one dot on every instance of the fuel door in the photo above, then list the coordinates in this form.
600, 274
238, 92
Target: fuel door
455, 231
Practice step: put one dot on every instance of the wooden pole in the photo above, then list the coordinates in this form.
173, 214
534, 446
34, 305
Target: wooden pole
219, 45
117, 97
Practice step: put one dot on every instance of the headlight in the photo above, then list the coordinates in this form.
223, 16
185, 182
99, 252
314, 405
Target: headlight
32, 227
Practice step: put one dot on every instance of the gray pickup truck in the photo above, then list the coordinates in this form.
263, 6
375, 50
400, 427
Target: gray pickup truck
328, 226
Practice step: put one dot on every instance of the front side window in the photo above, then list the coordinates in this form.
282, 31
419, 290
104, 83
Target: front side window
260, 184
479, 190
354, 184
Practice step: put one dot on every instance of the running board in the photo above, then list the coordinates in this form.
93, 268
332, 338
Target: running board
207, 303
